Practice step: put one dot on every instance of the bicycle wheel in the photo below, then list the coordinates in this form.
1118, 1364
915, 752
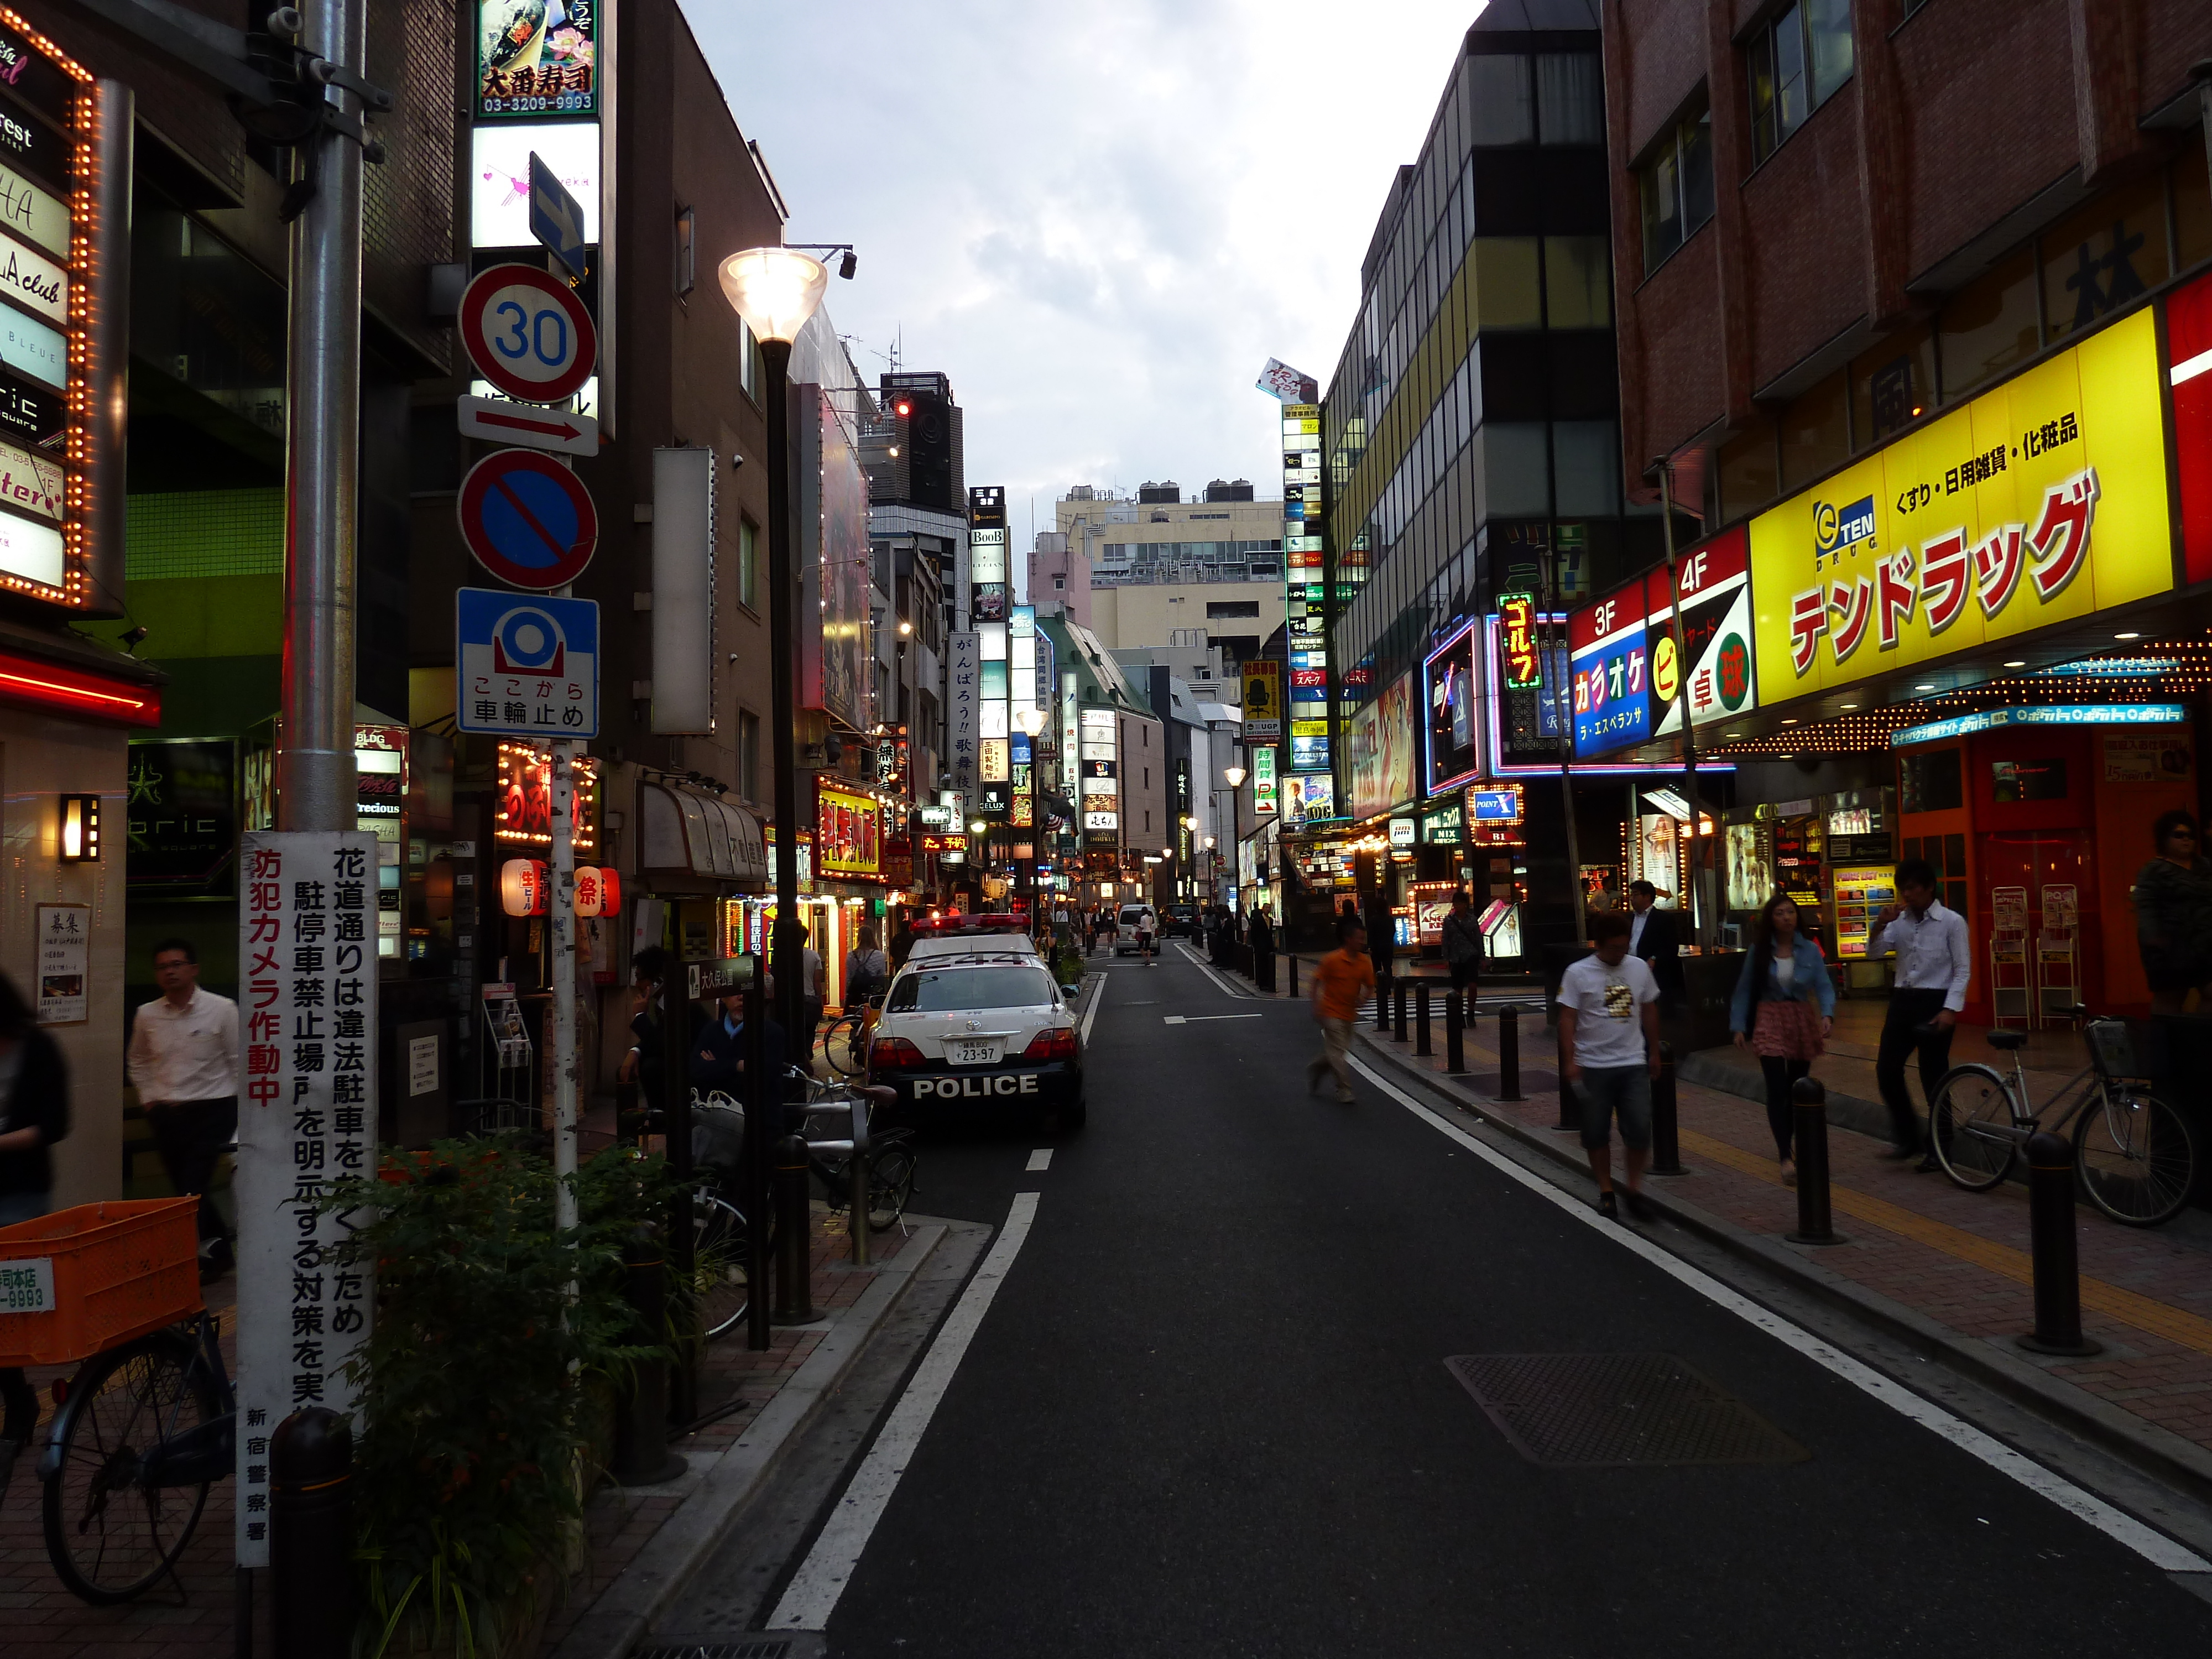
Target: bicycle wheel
891, 1183
841, 1047
721, 1264
109, 1538
2136, 1156
1969, 1125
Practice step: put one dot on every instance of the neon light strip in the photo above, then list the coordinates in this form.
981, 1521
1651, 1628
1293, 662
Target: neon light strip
55, 689
1989, 719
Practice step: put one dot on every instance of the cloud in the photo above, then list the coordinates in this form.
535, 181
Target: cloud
1100, 225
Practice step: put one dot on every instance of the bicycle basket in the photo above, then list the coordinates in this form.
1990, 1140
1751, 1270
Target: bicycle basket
2111, 1047
717, 1136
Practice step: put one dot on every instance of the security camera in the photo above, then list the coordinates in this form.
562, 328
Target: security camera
736, 460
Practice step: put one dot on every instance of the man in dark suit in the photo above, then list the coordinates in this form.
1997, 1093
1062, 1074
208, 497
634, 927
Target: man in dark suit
1654, 935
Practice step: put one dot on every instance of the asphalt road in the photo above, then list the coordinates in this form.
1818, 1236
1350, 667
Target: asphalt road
1208, 1414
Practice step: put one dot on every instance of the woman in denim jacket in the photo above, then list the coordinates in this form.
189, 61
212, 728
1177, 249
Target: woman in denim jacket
1783, 1009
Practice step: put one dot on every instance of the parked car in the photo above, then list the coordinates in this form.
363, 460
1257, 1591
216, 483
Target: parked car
1180, 921
958, 1034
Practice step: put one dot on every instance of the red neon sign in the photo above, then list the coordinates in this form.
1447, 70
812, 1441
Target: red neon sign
49, 686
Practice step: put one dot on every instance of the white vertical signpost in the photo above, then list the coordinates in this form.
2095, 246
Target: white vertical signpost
307, 961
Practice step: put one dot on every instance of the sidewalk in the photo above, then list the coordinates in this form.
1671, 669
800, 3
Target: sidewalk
1947, 1269
771, 1392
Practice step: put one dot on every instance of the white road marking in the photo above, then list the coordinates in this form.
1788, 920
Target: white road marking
1193, 1019
1040, 1160
1200, 964
1174, 1019
1098, 996
821, 1577
2155, 1547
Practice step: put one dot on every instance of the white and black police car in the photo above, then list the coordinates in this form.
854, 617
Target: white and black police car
974, 1023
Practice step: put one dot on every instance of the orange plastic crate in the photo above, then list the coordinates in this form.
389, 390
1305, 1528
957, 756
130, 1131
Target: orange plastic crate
121, 1269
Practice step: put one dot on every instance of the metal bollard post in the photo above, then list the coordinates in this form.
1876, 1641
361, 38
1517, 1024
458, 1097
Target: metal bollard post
1421, 1019
857, 1200
1455, 1033
1401, 987
1293, 956
795, 1293
311, 1535
642, 1454
2050, 1241
1665, 1140
1811, 1135
1508, 1053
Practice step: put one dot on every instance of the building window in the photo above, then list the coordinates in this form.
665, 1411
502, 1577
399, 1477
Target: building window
1058, 583
749, 361
1676, 184
1797, 59
748, 564
1217, 610
1579, 282
747, 754
1816, 432
2106, 257
1891, 386
687, 263
1570, 99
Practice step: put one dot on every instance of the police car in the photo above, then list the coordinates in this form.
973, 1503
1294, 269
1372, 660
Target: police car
974, 1022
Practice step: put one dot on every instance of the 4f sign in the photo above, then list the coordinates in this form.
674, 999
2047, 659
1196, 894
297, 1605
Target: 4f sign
528, 334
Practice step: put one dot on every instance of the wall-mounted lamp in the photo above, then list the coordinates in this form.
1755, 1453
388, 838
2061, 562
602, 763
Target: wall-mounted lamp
80, 825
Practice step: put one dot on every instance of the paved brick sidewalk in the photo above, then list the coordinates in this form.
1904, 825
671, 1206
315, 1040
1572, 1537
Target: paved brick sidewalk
1958, 1258
44, 1621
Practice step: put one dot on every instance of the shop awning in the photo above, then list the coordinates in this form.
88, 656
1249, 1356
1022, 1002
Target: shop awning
694, 836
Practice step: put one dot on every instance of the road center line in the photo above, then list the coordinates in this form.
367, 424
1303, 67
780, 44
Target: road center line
1040, 1160
812, 1594
1193, 1019
2155, 1547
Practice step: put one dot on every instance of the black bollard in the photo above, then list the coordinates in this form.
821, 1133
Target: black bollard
1811, 1134
2050, 1240
1665, 1140
311, 1535
1401, 987
642, 1454
1455, 1034
1508, 1053
1421, 1019
1293, 956
795, 1291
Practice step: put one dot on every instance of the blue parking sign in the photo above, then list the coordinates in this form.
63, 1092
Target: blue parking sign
528, 667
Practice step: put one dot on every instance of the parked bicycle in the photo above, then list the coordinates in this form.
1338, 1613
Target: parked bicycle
845, 1039
722, 1239
2133, 1154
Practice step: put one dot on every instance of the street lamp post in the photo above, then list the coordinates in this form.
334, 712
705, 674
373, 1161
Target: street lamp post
1234, 777
776, 291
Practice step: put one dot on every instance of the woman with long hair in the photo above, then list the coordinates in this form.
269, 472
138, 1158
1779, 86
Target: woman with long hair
35, 1109
1783, 1009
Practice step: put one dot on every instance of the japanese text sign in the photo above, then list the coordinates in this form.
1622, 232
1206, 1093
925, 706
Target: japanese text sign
529, 666
1629, 670
1518, 660
2036, 503
306, 1118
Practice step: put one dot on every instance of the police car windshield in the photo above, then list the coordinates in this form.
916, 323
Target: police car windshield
947, 989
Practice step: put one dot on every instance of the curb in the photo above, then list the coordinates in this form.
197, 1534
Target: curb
1869, 1117
2158, 1453
625, 1611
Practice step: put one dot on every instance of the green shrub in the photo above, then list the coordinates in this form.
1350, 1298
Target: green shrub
477, 1384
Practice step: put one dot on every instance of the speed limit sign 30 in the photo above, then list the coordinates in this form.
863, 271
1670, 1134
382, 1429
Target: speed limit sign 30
528, 334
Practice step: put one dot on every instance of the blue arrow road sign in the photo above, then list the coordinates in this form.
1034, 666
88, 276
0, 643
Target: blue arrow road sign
529, 666
556, 217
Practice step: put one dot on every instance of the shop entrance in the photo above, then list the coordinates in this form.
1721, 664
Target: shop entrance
2039, 898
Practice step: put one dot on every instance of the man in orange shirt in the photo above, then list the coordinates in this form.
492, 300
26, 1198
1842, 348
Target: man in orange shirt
1343, 980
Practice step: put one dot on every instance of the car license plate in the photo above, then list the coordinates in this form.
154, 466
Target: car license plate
973, 1053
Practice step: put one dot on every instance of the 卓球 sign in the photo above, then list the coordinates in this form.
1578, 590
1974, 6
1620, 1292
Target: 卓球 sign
2039, 502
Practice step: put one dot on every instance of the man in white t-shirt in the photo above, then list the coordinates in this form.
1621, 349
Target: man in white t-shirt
1609, 1033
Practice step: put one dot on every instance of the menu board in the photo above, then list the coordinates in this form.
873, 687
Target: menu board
1862, 891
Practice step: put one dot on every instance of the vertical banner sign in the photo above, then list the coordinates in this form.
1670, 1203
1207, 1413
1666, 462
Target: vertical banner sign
963, 700
306, 953
1263, 700
1263, 782
1306, 601
1518, 656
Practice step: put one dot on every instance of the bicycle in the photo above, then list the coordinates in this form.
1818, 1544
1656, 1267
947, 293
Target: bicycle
2133, 1154
845, 1039
143, 1430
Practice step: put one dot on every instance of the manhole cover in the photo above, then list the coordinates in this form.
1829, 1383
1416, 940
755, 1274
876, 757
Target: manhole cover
1610, 1410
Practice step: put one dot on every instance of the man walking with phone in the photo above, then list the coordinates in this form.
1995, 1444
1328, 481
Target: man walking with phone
1934, 959
1609, 1032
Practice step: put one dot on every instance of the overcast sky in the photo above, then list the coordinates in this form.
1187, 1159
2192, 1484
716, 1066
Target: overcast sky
1100, 223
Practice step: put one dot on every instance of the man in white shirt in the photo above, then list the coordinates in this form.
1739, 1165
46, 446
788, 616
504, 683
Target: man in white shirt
184, 1063
1609, 1033
1934, 959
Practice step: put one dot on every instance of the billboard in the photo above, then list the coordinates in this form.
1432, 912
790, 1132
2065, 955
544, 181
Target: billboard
2041, 501
1629, 669
847, 834
834, 659
1452, 691
1380, 738
1263, 700
537, 58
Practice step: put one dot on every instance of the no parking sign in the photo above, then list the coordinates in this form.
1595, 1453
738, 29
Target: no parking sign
527, 518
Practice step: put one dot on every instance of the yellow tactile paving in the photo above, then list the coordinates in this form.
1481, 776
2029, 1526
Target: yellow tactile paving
2174, 1324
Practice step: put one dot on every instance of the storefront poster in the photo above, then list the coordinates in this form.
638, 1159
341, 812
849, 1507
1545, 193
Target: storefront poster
1380, 740
2039, 502
2164, 759
1750, 881
834, 659
849, 834
1861, 892
64, 949
537, 58
1263, 700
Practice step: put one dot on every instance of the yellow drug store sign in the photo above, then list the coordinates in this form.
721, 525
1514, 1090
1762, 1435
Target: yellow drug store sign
2037, 503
